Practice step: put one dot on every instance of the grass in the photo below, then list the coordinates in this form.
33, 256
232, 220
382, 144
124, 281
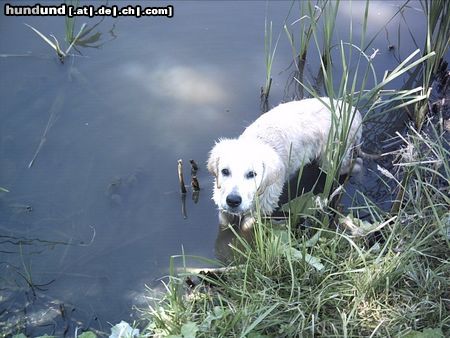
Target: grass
55, 43
333, 281
343, 274
86, 36
437, 40
269, 52
362, 272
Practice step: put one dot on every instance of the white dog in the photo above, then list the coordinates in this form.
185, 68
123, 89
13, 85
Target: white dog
254, 167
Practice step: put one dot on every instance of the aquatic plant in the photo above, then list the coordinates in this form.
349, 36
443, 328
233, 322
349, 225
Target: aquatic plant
320, 281
55, 44
437, 41
386, 274
357, 84
269, 57
86, 36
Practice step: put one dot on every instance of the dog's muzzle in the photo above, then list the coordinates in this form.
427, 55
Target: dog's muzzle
233, 200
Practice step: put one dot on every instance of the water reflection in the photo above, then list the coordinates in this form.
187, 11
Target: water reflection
100, 205
186, 85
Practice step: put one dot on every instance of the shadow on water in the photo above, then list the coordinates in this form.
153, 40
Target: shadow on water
89, 148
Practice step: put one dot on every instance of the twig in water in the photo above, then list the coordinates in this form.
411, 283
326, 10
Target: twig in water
194, 181
180, 177
194, 167
195, 184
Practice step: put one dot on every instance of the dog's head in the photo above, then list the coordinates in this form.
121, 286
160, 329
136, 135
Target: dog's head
243, 169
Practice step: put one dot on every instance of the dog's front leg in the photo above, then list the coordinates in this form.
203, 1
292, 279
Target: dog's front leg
247, 222
226, 219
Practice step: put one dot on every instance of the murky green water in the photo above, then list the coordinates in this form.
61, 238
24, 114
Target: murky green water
98, 213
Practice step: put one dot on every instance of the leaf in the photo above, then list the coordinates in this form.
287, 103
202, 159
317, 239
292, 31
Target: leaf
21, 335
257, 335
189, 330
90, 40
300, 205
123, 330
282, 234
426, 333
218, 313
311, 260
87, 334
313, 240
44, 38
58, 49
76, 38
259, 319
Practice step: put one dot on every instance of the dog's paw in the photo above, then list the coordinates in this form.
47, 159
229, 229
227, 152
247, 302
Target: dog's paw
247, 223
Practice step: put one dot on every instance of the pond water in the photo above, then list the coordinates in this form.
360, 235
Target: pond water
89, 147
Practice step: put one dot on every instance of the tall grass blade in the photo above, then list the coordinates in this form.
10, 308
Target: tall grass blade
74, 41
55, 46
258, 320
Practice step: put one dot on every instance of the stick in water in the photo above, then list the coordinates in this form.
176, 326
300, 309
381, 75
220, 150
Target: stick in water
195, 184
194, 181
180, 177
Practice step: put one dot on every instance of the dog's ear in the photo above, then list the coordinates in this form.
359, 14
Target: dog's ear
213, 160
214, 157
273, 170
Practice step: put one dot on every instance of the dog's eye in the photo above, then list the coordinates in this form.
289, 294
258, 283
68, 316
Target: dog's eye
225, 172
251, 174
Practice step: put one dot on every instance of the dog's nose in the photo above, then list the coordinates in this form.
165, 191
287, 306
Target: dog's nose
234, 200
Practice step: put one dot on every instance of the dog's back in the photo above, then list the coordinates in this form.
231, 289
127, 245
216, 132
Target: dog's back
299, 130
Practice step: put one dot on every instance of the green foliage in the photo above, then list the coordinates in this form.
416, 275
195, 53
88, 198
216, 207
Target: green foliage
425, 333
55, 44
86, 36
326, 282
87, 334
337, 280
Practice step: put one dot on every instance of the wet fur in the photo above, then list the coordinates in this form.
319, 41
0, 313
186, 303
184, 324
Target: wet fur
274, 147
